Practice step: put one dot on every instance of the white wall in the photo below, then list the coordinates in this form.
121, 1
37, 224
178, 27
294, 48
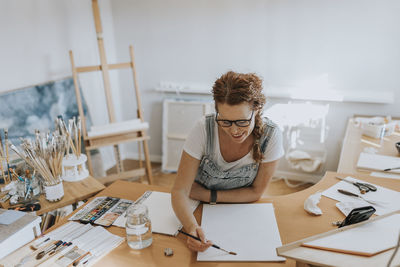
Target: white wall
35, 37
349, 45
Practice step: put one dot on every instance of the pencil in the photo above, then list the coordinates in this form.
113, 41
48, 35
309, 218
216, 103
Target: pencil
213, 245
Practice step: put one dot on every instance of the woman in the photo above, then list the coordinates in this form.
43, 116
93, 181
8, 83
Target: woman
229, 156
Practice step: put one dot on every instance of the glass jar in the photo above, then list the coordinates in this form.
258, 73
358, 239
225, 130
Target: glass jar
138, 227
35, 186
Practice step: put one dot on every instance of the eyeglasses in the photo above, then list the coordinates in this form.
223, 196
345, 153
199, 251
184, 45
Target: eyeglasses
239, 123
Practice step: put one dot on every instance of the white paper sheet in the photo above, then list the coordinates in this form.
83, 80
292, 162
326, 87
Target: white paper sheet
250, 230
377, 162
390, 197
369, 238
385, 175
161, 213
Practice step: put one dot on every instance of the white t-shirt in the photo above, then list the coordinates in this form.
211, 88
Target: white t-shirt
195, 146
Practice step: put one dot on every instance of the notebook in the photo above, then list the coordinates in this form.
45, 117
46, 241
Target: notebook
162, 216
365, 240
376, 162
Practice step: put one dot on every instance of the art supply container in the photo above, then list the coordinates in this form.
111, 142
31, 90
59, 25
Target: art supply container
35, 185
55, 192
138, 227
74, 169
21, 188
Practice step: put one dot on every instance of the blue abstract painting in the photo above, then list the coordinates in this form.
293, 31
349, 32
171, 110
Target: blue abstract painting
24, 110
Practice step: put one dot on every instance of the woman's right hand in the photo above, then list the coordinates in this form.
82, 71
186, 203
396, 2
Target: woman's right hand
196, 245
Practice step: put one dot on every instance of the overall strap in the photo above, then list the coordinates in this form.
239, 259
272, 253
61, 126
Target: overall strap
268, 132
210, 133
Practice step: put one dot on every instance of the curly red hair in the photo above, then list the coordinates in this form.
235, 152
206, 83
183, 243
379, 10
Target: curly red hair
235, 88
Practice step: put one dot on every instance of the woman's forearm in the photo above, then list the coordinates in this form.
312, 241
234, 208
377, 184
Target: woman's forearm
182, 208
245, 194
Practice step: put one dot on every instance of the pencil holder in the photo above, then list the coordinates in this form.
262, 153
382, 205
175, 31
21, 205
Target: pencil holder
55, 192
74, 169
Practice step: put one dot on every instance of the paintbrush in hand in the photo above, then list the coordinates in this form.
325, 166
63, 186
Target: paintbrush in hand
213, 245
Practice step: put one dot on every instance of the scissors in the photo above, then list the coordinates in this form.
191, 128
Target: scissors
363, 187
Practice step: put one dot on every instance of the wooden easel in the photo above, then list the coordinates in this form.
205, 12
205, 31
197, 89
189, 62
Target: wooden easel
114, 138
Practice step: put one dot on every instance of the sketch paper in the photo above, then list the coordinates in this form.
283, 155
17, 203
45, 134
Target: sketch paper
385, 175
367, 239
376, 162
161, 213
390, 197
250, 230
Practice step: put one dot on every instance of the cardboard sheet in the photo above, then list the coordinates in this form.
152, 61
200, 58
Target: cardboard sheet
365, 240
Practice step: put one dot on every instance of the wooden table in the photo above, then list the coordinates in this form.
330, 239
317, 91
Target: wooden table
293, 221
73, 192
307, 257
354, 143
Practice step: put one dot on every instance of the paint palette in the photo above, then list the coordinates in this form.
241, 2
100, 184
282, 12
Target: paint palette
102, 211
99, 210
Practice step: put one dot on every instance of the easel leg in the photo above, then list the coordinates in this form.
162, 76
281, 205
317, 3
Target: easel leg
89, 161
148, 164
119, 165
140, 159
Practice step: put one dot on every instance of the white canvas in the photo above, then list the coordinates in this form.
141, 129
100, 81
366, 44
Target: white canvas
250, 230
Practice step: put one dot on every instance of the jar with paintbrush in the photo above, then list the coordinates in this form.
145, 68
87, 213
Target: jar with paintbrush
45, 155
74, 162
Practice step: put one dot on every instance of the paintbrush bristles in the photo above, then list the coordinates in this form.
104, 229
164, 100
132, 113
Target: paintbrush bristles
72, 133
44, 155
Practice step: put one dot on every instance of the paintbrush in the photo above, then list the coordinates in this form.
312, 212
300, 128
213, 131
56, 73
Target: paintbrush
40, 244
79, 135
1, 160
389, 169
75, 128
7, 156
52, 247
213, 245
69, 135
17, 177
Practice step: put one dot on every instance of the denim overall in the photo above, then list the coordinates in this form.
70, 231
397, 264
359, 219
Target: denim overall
210, 174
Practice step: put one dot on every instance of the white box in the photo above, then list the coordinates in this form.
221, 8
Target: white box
18, 233
378, 130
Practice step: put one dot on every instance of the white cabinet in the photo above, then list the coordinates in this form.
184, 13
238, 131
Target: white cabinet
179, 116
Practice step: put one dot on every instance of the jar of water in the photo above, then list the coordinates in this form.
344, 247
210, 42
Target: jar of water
138, 227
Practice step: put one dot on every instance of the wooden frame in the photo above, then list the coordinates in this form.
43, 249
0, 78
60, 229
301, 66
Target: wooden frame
113, 139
